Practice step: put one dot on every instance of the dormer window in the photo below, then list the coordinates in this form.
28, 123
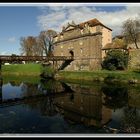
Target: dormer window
98, 28
86, 24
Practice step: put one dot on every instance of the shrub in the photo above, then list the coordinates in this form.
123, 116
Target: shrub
115, 60
47, 71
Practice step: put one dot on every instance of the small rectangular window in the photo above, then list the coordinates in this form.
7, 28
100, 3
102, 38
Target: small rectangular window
81, 50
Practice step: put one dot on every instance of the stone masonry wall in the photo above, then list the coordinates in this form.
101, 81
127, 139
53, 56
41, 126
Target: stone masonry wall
134, 59
87, 52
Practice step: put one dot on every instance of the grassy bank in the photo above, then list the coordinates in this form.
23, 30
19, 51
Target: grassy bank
22, 69
71, 76
102, 75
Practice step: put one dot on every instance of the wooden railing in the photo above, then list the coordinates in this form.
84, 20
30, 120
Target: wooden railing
6, 58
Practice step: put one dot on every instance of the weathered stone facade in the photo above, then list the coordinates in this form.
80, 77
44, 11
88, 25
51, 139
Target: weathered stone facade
134, 62
85, 41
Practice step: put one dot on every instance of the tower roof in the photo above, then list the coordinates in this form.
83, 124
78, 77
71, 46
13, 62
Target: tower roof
93, 22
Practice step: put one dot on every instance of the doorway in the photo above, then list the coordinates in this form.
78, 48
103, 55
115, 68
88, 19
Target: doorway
72, 53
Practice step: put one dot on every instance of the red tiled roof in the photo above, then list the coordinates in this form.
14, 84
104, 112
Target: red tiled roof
93, 22
113, 46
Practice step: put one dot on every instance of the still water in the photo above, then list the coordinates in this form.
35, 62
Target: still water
32, 105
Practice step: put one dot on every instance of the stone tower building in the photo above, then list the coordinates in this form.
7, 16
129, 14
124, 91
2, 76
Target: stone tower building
85, 42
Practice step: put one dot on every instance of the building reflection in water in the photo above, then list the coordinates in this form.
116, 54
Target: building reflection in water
77, 103
84, 106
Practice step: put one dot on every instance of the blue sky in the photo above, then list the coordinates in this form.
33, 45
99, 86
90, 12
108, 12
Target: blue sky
22, 21
16, 22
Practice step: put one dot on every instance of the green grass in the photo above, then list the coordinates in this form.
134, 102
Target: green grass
21, 69
36, 69
98, 75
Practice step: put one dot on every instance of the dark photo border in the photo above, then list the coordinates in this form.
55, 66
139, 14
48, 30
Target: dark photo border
68, 1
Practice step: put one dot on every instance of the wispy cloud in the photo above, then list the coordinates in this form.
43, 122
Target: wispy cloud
12, 39
55, 17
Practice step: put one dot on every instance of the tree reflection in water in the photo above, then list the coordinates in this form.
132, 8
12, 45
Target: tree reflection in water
130, 122
116, 95
51, 89
44, 104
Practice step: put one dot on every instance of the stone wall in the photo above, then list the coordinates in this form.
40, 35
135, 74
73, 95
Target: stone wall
86, 49
133, 46
134, 59
72, 33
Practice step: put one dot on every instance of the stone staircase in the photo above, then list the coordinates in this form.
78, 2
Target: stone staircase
65, 64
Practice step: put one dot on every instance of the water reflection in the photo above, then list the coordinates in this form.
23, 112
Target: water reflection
116, 95
53, 89
84, 106
96, 108
1, 83
130, 122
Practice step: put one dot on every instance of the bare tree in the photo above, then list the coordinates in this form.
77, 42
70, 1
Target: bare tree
30, 46
38, 50
46, 41
35, 46
27, 45
131, 29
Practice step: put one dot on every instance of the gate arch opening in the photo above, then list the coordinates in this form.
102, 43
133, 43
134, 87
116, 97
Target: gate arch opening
72, 53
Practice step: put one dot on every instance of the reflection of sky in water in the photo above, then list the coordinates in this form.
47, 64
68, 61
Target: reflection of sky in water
116, 117
10, 92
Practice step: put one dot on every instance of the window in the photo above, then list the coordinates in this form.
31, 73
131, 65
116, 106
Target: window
80, 43
61, 36
61, 53
98, 29
81, 49
71, 48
